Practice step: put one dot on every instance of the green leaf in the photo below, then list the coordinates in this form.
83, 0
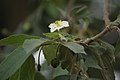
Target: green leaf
65, 64
62, 77
108, 63
50, 52
116, 22
76, 48
109, 50
94, 79
16, 40
31, 44
90, 61
59, 71
105, 60
26, 72
96, 47
117, 48
15, 76
63, 38
39, 76
95, 73
52, 35
28, 69
12, 63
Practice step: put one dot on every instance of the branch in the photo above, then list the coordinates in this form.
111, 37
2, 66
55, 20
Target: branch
109, 27
101, 34
106, 12
68, 8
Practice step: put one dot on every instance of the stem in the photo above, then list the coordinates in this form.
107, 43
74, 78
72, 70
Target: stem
58, 47
38, 66
39, 57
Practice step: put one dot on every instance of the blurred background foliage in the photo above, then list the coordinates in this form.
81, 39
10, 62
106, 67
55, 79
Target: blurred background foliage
33, 17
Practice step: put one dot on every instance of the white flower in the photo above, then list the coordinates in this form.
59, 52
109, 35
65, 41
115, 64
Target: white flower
42, 57
57, 25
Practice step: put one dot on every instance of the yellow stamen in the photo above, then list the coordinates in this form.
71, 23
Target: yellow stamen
58, 23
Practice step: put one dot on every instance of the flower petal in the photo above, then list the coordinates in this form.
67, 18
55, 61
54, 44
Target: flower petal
52, 25
65, 23
60, 27
53, 29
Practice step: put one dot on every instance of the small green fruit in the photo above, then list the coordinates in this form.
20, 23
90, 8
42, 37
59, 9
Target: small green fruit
55, 62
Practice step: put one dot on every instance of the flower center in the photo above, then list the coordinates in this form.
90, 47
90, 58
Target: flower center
58, 23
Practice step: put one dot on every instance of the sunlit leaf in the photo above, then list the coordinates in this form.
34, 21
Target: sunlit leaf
76, 48
31, 44
63, 38
15, 76
52, 35
16, 40
12, 63
50, 52
26, 72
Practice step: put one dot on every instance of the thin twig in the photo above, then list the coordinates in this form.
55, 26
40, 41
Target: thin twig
106, 12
